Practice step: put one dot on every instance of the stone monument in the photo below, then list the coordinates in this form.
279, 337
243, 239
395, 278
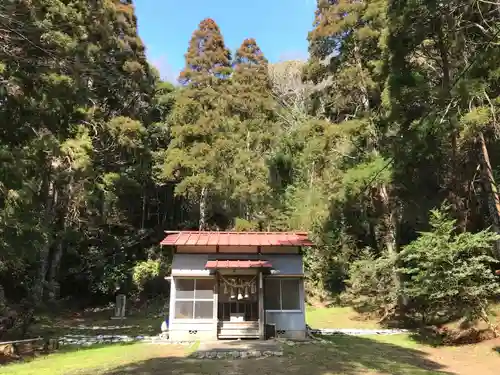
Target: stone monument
121, 301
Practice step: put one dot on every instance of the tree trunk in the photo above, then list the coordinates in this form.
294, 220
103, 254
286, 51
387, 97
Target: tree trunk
312, 175
391, 223
491, 189
203, 208
50, 194
453, 183
390, 230
62, 211
365, 100
246, 205
53, 284
493, 328
143, 210
247, 208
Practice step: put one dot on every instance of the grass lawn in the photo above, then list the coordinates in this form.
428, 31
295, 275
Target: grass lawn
351, 355
92, 323
379, 355
145, 324
346, 317
337, 317
94, 360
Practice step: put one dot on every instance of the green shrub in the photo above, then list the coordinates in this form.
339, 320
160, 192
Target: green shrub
145, 271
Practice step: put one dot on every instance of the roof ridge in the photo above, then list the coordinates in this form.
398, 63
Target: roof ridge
232, 232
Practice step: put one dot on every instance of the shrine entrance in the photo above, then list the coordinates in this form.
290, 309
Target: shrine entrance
239, 305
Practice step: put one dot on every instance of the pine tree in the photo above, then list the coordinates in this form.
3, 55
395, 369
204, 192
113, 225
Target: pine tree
199, 150
449, 273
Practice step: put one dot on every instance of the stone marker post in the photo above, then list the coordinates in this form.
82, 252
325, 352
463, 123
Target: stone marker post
121, 301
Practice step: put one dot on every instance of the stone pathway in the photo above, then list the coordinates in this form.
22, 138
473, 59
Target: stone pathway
355, 332
84, 327
89, 340
238, 349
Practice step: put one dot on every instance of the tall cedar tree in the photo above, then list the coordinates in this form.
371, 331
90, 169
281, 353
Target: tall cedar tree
347, 60
199, 146
347, 64
208, 61
124, 78
346, 57
254, 105
251, 85
440, 78
78, 205
70, 68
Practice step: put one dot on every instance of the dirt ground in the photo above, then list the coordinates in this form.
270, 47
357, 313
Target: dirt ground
477, 359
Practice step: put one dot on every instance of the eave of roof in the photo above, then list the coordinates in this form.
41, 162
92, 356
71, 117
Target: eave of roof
236, 263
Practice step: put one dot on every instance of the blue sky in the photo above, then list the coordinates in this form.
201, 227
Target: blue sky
279, 26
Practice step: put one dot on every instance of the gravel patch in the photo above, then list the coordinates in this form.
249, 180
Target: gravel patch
236, 354
89, 340
356, 332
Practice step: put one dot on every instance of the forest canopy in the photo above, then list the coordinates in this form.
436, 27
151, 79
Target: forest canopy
383, 145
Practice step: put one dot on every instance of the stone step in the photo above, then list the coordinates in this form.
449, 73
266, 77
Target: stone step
235, 354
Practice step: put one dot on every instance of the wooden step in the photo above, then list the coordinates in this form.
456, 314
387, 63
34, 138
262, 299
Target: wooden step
238, 329
238, 324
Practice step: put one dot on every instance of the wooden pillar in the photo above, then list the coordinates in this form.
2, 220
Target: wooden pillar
216, 305
261, 306
171, 312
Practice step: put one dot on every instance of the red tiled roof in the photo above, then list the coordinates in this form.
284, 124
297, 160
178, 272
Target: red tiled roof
238, 264
193, 238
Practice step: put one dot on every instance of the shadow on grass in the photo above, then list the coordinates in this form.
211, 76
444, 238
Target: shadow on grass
32, 354
428, 337
97, 324
79, 348
447, 337
348, 355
